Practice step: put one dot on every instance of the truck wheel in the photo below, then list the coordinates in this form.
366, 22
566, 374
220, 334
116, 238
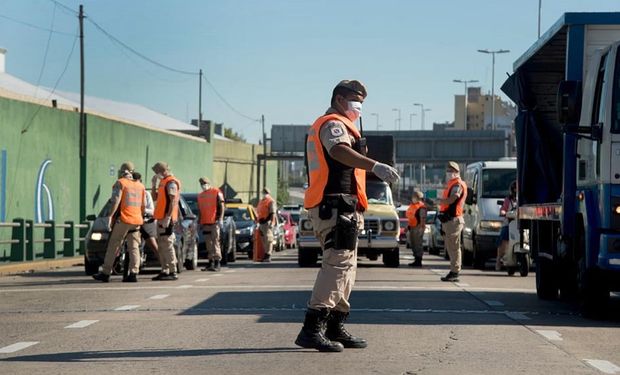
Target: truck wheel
479, 259
546, 286
90, 268
524, 264
307, 257
593, 291
391, 258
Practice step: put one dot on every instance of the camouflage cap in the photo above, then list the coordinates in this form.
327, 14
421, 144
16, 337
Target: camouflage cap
266, 190
204, 180
160, 166
354, 86
418, 194
127, 166
454, 165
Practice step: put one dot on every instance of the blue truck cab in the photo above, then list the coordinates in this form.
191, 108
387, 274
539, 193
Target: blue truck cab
567, 88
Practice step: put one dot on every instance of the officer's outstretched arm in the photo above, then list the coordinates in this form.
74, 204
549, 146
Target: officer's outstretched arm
351, 158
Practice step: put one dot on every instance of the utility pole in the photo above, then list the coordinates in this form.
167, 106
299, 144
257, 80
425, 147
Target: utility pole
200, 103
82, 122
539, 13
262, 121
493, 53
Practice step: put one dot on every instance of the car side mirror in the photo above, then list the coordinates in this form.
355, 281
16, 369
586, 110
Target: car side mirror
91, 217
500, 202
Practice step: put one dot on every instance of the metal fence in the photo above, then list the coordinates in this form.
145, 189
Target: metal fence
46, 243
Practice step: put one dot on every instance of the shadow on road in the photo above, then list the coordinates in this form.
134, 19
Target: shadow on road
129, 355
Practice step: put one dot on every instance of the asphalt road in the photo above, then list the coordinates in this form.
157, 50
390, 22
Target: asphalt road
244, 320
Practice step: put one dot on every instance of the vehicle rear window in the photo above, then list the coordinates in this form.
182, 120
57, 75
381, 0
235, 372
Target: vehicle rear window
238, 214
496, 182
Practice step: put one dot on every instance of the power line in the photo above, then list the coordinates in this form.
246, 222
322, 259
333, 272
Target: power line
137, 53
47, 46
227, 103
35, 26
66, 8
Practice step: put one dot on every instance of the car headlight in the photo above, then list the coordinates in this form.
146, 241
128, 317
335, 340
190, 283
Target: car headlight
95, 236
389, 225
237, 231
490, 225
306, 225
617, 210
427, 229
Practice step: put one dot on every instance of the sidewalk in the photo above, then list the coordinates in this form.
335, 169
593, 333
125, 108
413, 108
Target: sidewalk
39, 265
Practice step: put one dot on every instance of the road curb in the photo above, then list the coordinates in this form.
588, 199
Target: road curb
22, 267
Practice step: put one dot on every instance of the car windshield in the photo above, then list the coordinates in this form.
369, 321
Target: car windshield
430, 217
496, 182
191, 202
295, 218
238, 214
378, 193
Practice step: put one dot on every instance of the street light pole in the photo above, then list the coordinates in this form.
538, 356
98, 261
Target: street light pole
377, 115
539, 13
493, 53
399, 117
465, 82
421, 114
411, 120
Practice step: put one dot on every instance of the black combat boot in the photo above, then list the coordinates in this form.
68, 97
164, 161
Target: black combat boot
416, 263
267, 258
131, 278
451, 276
311, 335
208, 266
336, 332
102, 277
215, 266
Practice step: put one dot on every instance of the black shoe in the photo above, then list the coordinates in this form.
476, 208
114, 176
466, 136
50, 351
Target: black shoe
311, 335
102, 277
208, 266
215, 267
169, 277
159, 276
267, 259
416, 263
131, 278
451, 276
336, 332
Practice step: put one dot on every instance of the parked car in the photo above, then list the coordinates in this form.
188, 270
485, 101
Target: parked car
227, 233
244, 216
404, 222
294, 210
290, 229
428, 230
278, 234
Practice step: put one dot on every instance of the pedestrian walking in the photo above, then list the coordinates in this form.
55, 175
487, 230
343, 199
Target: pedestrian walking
266, 211
126, 217
336, 199
211, 215
166, 190
510, 203
416, 216
451, 216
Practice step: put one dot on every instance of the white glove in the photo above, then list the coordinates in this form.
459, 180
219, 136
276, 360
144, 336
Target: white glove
165, 222
385, 172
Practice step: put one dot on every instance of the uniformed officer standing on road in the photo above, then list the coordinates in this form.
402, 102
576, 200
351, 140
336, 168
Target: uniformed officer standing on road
211, 207
266, 222
126, 217
451, 217
166, 194
336, 199
416, 216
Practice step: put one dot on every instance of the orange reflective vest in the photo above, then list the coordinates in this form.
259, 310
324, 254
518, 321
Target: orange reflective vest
456, 208
163, 202
412, 213
132, 199
207, 204
263, 208
318, 170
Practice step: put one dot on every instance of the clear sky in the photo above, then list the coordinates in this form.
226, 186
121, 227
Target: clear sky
280, 58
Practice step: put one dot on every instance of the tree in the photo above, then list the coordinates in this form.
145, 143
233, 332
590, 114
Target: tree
230, 134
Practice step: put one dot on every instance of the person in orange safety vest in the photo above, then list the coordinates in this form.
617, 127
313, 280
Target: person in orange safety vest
267, 221
416, 215
335, 200
126, 217
211, 215
451, 216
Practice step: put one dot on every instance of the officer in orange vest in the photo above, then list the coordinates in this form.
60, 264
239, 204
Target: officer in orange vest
126, 217
266, 212
451, 216
166, 190
211, 207
416, 215
335, 200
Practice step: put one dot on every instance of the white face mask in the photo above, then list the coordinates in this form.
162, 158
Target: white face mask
451, 175
160, 176
354, 111
205, 186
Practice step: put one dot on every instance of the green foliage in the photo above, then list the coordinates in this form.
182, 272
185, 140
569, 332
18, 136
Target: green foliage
230, 134
283, 195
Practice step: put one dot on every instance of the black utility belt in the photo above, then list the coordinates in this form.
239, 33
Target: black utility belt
343, 203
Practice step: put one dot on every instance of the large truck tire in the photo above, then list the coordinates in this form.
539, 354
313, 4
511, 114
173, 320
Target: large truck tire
307, 257
392, 258
90, 268
593, 292
546, 284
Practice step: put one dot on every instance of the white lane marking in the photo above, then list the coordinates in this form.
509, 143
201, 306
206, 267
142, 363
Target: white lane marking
217, 274
160, 296
17, 346
229, 271
201, 280
82, 324
517, 316
184, 286
494, 303
462, 285
550, 335
605, 367
126, 308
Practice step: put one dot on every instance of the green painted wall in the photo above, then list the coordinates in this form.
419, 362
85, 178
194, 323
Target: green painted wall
52, 134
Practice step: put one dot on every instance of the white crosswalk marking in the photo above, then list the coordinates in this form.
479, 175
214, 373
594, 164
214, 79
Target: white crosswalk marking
184, 286
126, 307
201, 280
82, 324
550, 335
160, 296
605, 367
17, 346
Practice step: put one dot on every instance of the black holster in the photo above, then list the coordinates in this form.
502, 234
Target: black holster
345, 233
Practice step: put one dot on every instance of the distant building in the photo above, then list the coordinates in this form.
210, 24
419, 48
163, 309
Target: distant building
441, 126
480, 111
